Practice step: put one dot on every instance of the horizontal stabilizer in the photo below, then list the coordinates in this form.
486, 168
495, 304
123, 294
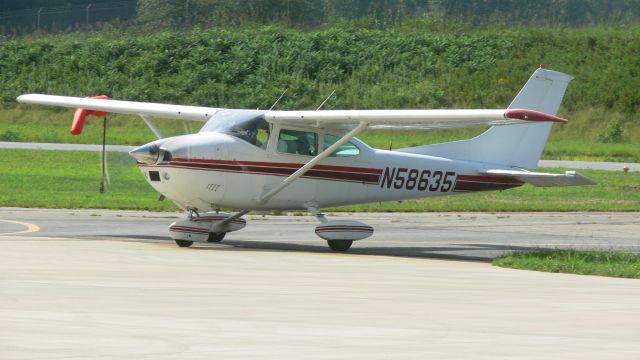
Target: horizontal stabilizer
569, 178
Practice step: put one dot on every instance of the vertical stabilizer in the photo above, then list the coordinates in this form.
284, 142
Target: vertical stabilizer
512, 145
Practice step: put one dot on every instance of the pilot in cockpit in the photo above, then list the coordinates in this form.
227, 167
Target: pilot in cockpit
248, 125
255, 131
248, 131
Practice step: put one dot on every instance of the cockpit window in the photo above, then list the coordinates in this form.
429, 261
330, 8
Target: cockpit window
298, 142
348, 149
248, 125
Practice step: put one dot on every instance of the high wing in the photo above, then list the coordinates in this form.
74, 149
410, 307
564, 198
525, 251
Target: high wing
327, 119
408, 119
167, 111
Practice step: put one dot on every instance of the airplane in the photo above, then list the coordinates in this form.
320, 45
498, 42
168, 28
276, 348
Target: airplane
264, 160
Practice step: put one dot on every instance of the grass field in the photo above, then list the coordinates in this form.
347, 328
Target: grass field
601, 263
70, 179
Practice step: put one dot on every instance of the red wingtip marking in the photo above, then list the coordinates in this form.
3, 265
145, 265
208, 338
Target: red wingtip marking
81, 114
541, 66
532, 115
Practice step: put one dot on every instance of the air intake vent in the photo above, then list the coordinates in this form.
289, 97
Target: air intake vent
154, 175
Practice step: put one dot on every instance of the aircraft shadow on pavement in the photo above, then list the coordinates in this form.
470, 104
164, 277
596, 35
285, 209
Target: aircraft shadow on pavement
454, 251
466, 252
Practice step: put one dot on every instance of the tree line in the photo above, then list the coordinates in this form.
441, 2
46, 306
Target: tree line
174, 13
317, 12
12, 5
400, 67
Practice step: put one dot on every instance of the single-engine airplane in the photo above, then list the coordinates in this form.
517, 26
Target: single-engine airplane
246, 160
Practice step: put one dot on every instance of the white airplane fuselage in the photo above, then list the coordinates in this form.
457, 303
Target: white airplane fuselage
209, 171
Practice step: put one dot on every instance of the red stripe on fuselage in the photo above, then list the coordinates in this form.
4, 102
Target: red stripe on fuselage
470, 183
321, 172
489, 179
281, 165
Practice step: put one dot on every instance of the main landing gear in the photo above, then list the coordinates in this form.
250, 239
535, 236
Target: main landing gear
212, 227
340, 234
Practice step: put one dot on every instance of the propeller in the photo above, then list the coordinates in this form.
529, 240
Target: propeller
76, 129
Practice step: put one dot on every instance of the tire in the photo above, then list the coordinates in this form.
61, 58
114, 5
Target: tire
339, 245
216, 237
184, 243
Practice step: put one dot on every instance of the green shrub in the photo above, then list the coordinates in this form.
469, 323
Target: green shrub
613, 132
10, 135
414, 64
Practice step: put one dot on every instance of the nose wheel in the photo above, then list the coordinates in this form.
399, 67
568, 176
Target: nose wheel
184, 243
209, 227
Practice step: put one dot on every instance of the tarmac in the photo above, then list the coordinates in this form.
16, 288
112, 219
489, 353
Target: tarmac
91, 284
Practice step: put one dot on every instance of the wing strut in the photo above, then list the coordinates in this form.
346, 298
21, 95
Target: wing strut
324, 154
151, 125
291, 178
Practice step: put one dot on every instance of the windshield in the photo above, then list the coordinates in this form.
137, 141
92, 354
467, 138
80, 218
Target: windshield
248, 125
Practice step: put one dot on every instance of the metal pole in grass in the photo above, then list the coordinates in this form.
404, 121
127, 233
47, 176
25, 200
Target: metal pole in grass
104, 153
186, 6
87, 17
39, 12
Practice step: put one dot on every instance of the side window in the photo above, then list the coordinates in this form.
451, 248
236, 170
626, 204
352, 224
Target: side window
298, 142
348, 149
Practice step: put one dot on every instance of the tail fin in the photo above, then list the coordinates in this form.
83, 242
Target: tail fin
513, 145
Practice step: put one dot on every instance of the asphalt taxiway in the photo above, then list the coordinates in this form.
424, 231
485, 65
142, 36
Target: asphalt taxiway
462, 236
110, 284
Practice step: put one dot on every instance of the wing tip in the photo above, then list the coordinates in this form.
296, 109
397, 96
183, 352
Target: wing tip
30, 98
23, 98
532, 115
581, 179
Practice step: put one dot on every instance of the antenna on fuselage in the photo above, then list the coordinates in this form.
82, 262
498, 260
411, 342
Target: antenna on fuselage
325, 100
276, 103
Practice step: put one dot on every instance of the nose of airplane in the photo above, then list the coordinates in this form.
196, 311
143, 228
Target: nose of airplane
192, 146
147, 154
